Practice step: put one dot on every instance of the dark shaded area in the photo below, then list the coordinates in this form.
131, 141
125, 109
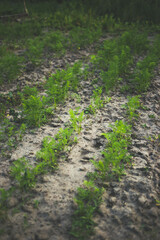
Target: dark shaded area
133, 10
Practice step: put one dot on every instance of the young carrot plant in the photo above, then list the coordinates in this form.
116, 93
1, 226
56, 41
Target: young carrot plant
61, 82
47, 154
34, 111
96, 101
53, 148
144, 70
97, 98
136, 40
10, 66
23, 173
76, 120
116, 153
132, 105
4, 197
87, 202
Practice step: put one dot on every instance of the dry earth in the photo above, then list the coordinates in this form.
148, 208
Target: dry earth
128, 211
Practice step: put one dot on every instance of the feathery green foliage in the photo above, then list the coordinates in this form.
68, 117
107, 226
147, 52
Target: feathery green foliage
53, 148
116, 153
34, 111
76, 120
23, 173
88, 199
62, 81
132, 105
144, 70
10, 65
